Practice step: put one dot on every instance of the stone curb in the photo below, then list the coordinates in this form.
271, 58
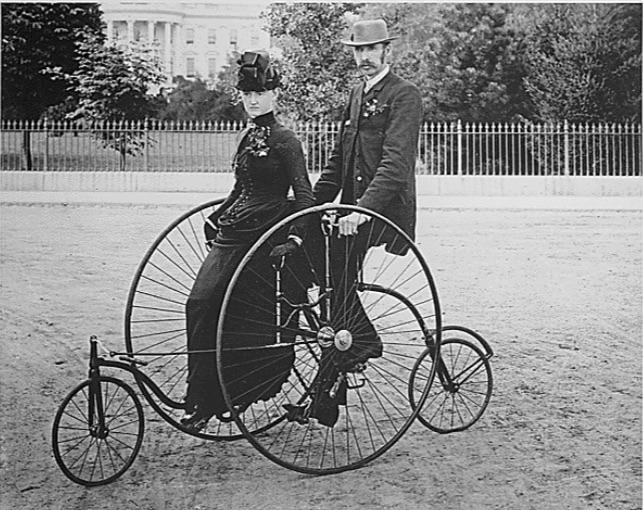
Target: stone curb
634, 203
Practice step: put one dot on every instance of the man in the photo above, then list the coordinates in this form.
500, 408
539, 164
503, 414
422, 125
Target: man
373, 161
373, 166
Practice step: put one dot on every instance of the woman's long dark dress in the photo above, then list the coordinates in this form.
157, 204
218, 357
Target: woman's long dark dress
258, 200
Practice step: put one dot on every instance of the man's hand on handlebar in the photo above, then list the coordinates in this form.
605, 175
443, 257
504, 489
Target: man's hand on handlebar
347, 225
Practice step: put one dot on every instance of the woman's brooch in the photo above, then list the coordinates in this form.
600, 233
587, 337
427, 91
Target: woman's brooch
373, 107
258, 141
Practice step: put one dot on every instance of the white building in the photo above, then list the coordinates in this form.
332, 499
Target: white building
193, 39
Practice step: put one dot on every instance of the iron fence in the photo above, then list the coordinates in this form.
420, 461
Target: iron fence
443, 149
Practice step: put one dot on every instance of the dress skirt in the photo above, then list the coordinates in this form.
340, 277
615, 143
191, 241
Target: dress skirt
249, 374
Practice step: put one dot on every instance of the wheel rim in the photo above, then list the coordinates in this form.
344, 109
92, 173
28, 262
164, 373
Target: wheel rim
457, 402
155, 315
94, 454
398, 296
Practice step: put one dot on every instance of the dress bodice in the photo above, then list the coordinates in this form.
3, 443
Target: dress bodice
268, 163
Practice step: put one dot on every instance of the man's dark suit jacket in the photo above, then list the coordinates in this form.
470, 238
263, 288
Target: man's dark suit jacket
373, 161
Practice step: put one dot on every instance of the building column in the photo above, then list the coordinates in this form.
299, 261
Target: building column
179, 63
130, 31
150, 32
110, 31
167, 50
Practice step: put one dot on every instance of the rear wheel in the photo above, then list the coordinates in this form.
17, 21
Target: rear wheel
155, 328
93, 450
332, 376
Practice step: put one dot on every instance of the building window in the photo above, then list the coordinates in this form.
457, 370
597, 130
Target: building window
212, 68
233, 38
189, 67
189, 36
212, 36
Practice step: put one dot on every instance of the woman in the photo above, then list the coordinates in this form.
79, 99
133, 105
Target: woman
268, 162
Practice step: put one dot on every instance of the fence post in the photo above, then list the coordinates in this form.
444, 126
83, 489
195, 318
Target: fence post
123, 144
146, 153
26, 145
459, 124
45, 163
566, 143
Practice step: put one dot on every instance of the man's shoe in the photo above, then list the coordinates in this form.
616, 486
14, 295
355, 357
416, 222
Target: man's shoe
196, 421
296, 413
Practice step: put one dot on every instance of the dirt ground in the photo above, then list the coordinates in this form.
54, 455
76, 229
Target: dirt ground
557, 293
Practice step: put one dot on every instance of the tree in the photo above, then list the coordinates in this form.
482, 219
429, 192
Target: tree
192, 100
228, 105
317, 69
111, 85
464, 58
584, 62
37, 36
481, 66
189, 100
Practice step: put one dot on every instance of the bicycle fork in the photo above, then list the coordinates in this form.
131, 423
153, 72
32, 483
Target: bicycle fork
451, 382
96, 409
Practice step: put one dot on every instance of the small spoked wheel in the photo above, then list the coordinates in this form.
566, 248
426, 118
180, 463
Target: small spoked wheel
155, 329
463, 384
98, 431
321, 344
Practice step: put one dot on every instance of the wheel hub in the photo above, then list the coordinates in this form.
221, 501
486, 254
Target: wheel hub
452, 388
343, 340
100, 432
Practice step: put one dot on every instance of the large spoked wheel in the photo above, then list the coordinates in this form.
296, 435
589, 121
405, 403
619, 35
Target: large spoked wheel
464, 383
323, 346
91, 449
155, 328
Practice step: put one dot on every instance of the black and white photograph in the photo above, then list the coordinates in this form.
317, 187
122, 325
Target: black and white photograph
314, 255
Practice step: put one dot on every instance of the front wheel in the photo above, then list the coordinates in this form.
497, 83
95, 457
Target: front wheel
98, 431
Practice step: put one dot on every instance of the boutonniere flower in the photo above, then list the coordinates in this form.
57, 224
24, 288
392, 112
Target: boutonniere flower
373, 107
258, 141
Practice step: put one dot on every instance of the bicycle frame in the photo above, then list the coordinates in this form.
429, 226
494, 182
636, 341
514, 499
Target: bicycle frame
128, 364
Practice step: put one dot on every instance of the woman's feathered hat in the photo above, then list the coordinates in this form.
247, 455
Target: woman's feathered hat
256, 73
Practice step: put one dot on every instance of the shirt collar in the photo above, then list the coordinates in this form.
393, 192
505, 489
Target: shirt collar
264, 120
371, 82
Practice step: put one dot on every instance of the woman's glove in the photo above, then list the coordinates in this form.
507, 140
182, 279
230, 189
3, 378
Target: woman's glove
210, 230
282, 250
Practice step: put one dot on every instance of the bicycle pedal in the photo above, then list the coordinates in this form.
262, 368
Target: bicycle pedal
358, 367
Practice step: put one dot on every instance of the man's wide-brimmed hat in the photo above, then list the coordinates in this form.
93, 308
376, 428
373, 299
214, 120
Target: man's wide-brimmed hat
369, 32
256, 73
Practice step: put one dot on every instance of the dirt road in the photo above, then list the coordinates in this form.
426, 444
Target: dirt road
557, 293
